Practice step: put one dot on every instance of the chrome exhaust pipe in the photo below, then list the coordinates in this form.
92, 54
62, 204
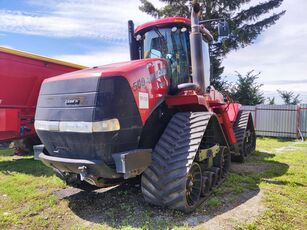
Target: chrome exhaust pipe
197, 59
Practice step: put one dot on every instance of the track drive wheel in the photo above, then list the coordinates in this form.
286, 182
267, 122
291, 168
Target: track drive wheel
246, 136
174, 179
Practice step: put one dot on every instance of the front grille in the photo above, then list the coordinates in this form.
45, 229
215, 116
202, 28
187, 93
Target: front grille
111, 97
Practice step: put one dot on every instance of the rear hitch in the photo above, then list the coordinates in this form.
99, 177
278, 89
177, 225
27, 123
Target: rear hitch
83, 172
84, 176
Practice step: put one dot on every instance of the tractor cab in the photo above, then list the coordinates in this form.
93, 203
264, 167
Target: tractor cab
168, 38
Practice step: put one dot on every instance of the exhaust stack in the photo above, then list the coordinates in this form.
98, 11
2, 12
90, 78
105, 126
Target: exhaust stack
132, 41
197, 59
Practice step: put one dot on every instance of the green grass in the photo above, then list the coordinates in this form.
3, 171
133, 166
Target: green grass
277, 169
284, 185
6, 152
26, 188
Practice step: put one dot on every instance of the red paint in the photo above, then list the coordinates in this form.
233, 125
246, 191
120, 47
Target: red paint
232, 111
193, 101
197, 101
226, 123
20, 81
213, 101
9, 123
164, 22
144, 76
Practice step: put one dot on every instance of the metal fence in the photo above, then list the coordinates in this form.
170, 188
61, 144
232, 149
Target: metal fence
279, 120
303, 120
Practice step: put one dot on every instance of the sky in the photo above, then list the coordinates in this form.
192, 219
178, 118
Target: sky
94, 32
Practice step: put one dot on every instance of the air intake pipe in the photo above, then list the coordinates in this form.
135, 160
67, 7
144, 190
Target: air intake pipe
197, 59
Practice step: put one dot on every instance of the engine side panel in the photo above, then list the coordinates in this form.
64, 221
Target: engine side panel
149, 85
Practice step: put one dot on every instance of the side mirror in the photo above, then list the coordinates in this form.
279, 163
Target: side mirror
223, 29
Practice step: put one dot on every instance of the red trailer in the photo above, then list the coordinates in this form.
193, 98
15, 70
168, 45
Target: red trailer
21, 75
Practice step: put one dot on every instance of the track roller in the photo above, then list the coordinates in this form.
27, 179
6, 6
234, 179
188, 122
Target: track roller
206, 186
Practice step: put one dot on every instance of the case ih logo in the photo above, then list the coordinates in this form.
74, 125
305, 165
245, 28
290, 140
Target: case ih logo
72, 101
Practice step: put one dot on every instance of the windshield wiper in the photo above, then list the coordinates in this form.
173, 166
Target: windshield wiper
159, 34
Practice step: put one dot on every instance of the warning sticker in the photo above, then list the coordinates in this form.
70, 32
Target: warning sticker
143, 100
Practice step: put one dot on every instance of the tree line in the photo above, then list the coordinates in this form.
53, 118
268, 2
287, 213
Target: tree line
247, 91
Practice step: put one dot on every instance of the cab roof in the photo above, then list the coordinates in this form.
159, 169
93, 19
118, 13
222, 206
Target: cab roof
163, 22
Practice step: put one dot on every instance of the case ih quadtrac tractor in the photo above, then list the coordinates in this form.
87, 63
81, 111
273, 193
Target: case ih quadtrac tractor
155, 116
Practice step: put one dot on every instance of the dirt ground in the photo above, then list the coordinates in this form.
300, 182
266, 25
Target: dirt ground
245, 212
130, 209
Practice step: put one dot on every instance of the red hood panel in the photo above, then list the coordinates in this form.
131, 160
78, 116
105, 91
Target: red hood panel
147, 78
115, 69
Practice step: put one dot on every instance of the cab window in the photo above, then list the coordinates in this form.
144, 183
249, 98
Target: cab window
171, 44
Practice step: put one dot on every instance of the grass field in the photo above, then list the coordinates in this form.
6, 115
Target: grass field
273, 182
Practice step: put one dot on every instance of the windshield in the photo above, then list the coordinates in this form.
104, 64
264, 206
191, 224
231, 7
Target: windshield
171, 44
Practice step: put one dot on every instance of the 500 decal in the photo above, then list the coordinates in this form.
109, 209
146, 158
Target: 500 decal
141, 82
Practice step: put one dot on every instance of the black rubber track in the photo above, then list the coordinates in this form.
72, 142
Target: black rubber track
164, 182
244, 122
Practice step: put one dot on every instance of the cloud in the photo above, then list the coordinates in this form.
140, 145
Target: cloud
286, 82
99, 19
279, 53
107, 55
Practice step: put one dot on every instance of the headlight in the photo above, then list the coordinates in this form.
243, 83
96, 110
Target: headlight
75, 127
106, 126
47, 125
79, 126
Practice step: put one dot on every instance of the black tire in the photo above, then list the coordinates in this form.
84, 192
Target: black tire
245, 135
164, 183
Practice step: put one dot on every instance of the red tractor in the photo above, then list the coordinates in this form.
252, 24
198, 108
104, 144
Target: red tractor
155, 116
